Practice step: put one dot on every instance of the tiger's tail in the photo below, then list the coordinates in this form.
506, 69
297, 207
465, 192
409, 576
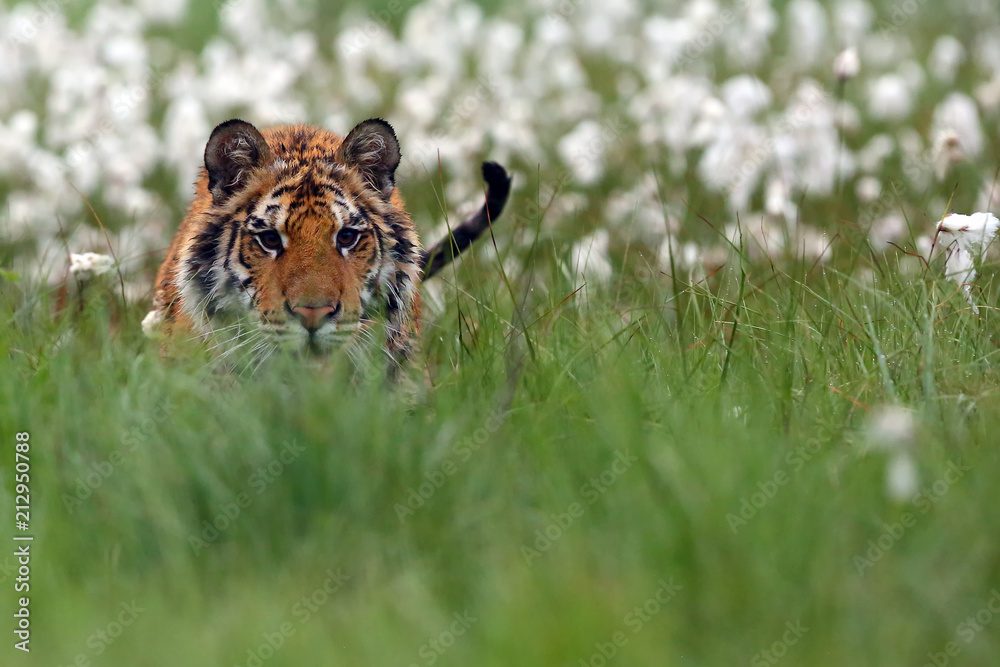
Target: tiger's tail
461, 237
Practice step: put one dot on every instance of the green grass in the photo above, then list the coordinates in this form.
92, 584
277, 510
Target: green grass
712, 393
150, 485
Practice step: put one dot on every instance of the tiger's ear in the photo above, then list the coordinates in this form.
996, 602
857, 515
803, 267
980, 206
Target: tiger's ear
372, 148
233, 151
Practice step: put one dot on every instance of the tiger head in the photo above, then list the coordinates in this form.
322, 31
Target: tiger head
303, 234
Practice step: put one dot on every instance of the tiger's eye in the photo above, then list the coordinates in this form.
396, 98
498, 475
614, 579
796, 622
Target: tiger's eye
347, 237
269, 240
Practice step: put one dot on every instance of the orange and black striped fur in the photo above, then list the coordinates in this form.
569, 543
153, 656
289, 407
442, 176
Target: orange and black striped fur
304, 235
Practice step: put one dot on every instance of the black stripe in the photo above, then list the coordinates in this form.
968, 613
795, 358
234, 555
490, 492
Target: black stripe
403, 251
282, 189
242, 257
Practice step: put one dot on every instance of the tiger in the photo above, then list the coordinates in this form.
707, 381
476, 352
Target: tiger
302, 236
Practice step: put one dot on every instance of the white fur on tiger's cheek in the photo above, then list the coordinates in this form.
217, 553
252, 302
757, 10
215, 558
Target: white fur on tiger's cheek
387, 277
151, 323
190, 300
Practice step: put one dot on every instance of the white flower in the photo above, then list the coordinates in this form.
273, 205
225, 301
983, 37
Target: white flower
947, 150
746, 95
971, 232
989, 191
777, 201
988, 95
947, 56
875, 152
972, 235
813, 245
958, 113
891, 428
847, 64
762, 238
583, 150
868, 189
735, 160
749, 40
589, 258
711, 116
848, 118
902, 480
914, 75
84, 266
890, 98
185, 129
666, 38
807, 30
807, 143
853, 19
884, 230
165, 11
685, 256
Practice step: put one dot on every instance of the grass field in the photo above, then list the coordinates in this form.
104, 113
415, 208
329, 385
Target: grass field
657, 464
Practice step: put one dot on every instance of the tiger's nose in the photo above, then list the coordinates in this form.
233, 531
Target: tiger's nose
313, 317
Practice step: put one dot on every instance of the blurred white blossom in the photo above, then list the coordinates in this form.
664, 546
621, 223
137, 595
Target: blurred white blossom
868, 189
847, 64
890, 98
891, 427
589, 258
89, 264
108, 106
902, 480
946, 57
958, 114
807, 30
